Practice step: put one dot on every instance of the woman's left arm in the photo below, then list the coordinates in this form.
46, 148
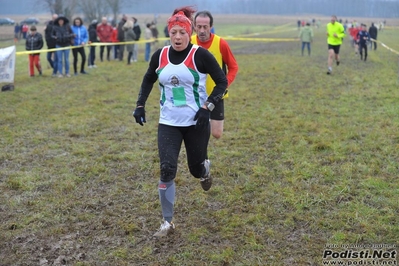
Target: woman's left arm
206, 63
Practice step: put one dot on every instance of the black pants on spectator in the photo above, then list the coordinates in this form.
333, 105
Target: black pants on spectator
102, 52
121, 50
375, 45
129, 57
92, 55
81, 51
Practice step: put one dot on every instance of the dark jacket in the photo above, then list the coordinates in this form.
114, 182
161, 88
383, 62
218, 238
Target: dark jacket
63, 35
363, 37
166, 31
137, 31
48, 34
121, 33
373, 31
93, 32
34, 42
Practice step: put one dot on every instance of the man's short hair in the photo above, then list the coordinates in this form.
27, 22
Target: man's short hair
33, 28
205, 14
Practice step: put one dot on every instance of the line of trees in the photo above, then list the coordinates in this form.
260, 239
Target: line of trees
95, 9
91, 9
361, 8
347, 8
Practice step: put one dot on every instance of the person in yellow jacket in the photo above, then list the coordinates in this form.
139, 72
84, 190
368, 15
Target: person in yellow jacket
335, 34
203, 23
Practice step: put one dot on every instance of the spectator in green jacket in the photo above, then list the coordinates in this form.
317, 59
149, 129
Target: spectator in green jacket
306, 36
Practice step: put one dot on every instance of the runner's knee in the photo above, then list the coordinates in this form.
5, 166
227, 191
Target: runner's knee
168, 172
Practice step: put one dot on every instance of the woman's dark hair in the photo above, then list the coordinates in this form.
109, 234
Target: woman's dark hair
78, 18
205, 14
188, 11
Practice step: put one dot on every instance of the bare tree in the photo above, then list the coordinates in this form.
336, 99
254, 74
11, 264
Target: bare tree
64, 7
115, 6
94, 9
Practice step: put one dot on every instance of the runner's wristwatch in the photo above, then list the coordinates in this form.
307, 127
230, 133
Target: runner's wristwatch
210, 106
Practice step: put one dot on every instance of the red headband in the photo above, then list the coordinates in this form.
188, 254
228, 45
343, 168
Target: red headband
180, 19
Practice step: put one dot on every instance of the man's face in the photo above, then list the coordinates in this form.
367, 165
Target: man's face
333, 19
203, 28
104, 20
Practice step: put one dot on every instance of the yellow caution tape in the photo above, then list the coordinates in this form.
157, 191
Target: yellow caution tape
261, 39
86, 45
385, 46
149, 41
269, 32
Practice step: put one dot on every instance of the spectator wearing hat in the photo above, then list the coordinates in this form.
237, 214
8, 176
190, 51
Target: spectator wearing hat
34, 42
64, 37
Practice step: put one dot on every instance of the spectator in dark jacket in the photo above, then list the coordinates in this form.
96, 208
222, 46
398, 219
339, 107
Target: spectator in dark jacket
373, 31
166, 32
34, 41
137, 32
121, 37
92, 39
64, 37
155, 33
17, 28
48, 34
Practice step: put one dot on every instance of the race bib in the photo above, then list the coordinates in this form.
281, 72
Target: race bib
179, 97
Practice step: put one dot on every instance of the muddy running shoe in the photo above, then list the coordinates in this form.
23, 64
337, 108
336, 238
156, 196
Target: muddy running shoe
337, 63
206, 180
165, 229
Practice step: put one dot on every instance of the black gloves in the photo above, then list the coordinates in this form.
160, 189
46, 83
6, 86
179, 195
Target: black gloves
139, 115
202, 117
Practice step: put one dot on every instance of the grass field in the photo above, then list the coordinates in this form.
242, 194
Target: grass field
307, 160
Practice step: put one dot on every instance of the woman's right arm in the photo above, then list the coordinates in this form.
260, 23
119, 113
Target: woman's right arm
149, 79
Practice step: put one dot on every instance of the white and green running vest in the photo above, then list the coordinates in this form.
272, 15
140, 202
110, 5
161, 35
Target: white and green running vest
182, 89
